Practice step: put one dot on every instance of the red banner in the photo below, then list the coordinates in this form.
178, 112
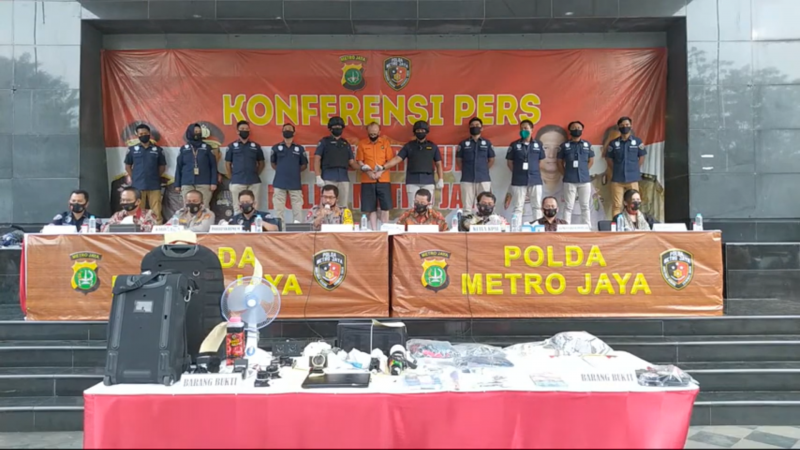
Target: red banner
169, 89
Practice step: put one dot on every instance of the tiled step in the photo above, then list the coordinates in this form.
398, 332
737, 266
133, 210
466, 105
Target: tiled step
477, 329
48, 381
55, 355
27, 414
747, 408
762, 379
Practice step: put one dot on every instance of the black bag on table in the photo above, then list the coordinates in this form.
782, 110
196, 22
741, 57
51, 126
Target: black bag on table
147, 329
200, 265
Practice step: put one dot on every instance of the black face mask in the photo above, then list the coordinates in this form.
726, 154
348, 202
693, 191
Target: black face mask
128, 206
247, 208
624, 130
636, 205
474, 131
77, 207
420, 134
194, 208
575, 133
485, 210
420, 209
244, 134
373, 137
337, 131
550, 212
198, 137
288, 134
144, 139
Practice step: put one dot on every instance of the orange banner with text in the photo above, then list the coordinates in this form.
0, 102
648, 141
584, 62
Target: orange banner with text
557, 275
169, 89
70, 277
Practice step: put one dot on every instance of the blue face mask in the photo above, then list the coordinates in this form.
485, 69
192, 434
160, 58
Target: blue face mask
525, 134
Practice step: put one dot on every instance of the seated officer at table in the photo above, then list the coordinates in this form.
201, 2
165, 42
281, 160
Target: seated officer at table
549, 211
633, 219
484, 215
248, 214
78, 211
195, 216
131, 201
329, 212
423, 213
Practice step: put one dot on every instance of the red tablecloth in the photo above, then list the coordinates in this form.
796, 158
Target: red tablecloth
435, 420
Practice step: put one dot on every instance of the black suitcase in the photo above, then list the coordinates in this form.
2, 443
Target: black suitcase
147, 329
201, 265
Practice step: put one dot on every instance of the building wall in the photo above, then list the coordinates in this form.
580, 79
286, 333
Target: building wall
742, 102
40, 52
744, 115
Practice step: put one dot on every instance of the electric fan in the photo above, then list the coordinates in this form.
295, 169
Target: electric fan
256, 301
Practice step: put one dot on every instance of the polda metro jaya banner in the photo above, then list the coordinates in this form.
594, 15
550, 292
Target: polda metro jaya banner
169, 89
70, 277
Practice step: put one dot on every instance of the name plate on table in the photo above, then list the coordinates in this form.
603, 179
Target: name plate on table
487, 228
210, 380
574, 228
669, 227
226, 229
164, 229
423, 228
59, 229
336, 228
393, 228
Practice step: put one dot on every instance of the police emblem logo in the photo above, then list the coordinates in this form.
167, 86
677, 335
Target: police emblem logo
252, 145
616, 144
280, 148
535, 145
353, 72
84, 271
483, 142
330, 269
585, 144
633, 142
397, 72
434, 270
677, 268
519, 146
235, 144
466, 144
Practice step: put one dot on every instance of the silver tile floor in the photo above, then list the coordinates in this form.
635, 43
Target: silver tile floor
699, 437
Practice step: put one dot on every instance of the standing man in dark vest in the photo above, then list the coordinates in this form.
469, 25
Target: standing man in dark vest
144, 164
423, 155
474, 158
332, 159
244, 162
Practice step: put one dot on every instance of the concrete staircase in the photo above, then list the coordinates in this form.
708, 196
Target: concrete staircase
748, 367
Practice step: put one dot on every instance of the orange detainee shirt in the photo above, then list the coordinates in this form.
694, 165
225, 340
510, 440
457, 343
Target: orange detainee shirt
372, 154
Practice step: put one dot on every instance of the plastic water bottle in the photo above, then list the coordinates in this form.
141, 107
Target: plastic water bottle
258, 224
364, 223
174, 221
698, 222
516, 223
620, 223
93, 224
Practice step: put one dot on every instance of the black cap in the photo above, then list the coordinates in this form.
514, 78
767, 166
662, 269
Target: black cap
335, 120
421, 125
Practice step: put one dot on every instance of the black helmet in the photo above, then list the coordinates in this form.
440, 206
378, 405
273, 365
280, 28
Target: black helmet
421, 125
335, 120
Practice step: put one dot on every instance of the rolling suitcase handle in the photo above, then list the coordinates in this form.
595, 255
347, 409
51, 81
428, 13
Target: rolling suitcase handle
119, 288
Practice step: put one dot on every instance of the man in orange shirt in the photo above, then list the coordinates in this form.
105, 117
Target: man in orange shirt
376, 188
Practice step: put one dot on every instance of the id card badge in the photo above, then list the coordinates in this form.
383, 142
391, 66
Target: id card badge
574, 164
197, 171
524, 166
